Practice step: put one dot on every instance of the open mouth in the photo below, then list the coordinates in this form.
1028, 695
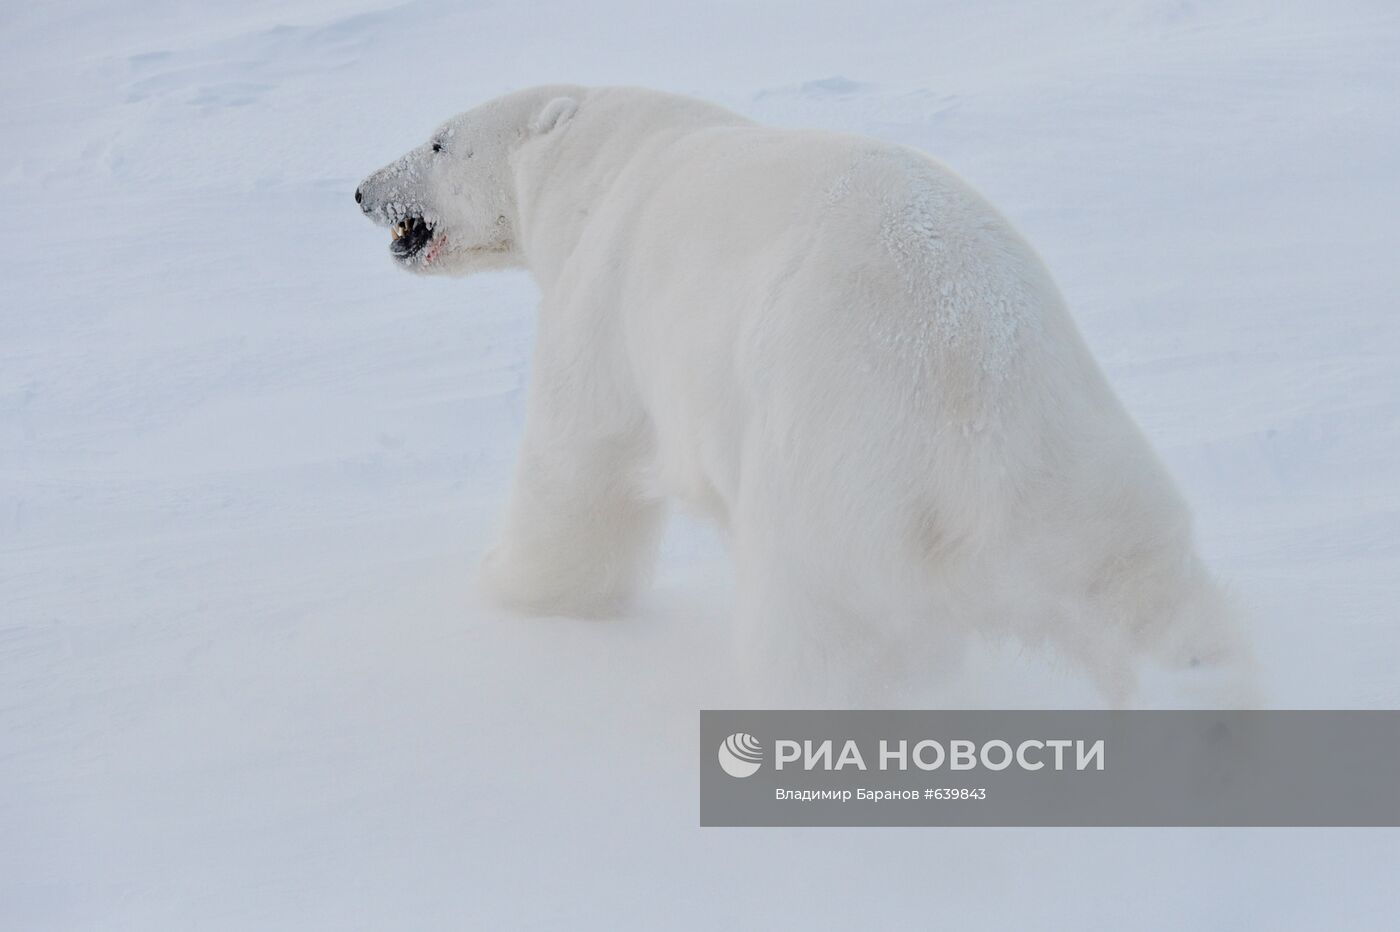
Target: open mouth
409, 237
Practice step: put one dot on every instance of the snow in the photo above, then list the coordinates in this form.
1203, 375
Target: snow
247, 467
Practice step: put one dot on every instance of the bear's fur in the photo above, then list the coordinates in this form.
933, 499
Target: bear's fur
834, 349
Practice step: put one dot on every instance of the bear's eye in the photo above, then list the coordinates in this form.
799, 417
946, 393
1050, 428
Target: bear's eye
437, 147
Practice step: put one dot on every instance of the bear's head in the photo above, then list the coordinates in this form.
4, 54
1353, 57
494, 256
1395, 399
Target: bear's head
450, 204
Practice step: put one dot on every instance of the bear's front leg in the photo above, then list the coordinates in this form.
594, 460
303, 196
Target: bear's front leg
578, 537
581, 530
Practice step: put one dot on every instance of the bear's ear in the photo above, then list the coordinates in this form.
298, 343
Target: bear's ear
554, 114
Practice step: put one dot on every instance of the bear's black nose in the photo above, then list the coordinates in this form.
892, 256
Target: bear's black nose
358, 196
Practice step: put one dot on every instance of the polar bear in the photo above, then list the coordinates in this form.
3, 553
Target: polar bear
834, 349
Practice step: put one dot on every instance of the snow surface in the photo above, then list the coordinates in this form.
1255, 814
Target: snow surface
247, 467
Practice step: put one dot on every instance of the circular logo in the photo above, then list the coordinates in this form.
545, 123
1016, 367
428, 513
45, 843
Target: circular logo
740, 755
